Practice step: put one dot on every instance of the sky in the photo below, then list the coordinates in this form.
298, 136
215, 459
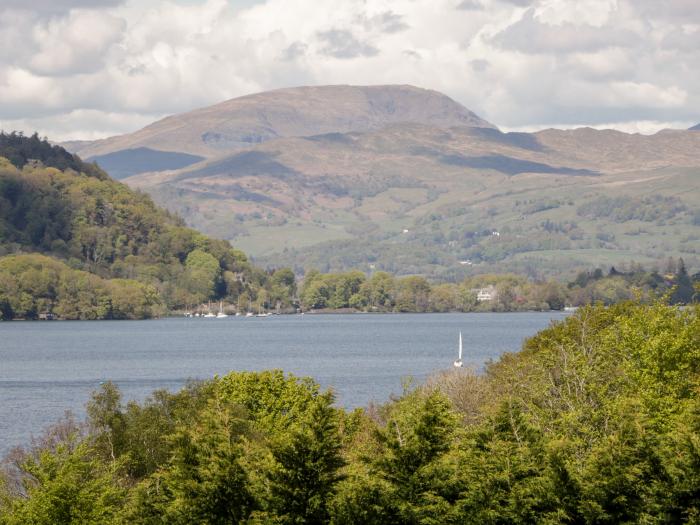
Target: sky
86, 69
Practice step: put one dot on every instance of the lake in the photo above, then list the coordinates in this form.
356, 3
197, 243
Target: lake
47, 368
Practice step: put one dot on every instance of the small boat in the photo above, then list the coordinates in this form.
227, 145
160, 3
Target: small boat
458, 363
221, 313
209, 314
249, 314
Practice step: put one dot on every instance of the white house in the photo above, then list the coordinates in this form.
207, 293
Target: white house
486, 294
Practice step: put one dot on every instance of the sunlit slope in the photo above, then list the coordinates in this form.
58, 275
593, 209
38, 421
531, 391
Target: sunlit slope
448, 187
242, 122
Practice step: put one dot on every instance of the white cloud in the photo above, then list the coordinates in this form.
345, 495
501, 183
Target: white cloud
79, 43
72, 68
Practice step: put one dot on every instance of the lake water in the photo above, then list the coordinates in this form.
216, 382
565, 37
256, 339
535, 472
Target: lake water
47, 368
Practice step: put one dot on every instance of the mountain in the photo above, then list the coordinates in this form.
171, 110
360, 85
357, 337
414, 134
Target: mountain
695, 128
243, 122
407, 180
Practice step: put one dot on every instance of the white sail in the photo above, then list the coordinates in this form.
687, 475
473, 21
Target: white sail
458, 363
221, 313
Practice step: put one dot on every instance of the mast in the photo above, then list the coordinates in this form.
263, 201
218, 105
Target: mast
460, 345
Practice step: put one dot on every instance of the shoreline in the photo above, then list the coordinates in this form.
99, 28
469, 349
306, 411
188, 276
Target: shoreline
176, 315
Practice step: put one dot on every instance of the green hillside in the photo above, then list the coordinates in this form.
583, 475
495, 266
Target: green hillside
107, 251
532, 224
446, 204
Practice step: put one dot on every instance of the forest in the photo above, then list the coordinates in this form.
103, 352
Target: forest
75, 243
596, 420
383, 292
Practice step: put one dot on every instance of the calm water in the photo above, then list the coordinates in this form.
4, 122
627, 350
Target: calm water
47, 368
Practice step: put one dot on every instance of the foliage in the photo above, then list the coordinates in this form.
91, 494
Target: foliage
20, 150
142, 260
34, 284
66, 485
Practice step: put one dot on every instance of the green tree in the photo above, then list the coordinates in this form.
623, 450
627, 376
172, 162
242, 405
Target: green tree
205, 479
203, 272
414, 441
67, 485
307, 463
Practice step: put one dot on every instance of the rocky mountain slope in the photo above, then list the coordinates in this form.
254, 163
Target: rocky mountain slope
405, 179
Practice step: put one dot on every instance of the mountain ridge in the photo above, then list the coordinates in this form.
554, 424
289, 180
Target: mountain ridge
243, 121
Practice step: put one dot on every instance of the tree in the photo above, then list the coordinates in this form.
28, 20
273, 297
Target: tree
205, 480
413, 443
66, 485
106, 419
683, 290
203, 272
307, 463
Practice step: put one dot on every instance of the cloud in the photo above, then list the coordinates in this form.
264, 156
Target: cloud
531, 35
294, 51
78, 43
386, 22
341, 43
72, 68
680, 11
470, 5
81, 124
57, 6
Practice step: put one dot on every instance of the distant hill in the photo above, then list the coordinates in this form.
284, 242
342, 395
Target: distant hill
295, 112
407, 180
695, 128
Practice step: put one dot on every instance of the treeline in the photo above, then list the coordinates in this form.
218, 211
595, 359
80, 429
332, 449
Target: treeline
674, 283
383, 292
35, 285
21, 150
73, 212
596, 420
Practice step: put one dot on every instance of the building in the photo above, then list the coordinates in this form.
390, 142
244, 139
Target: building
486, 294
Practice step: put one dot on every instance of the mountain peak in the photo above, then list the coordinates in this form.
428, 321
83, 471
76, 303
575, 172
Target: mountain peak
241, 122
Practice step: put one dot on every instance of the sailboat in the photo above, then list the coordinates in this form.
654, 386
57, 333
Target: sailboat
209, 314
221, 313
458, 363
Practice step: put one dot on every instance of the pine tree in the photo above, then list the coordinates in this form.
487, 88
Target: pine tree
308, 461
683, 287
205, 478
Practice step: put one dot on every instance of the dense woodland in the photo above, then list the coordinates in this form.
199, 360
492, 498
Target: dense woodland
596, 420
383, 292
107, 251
